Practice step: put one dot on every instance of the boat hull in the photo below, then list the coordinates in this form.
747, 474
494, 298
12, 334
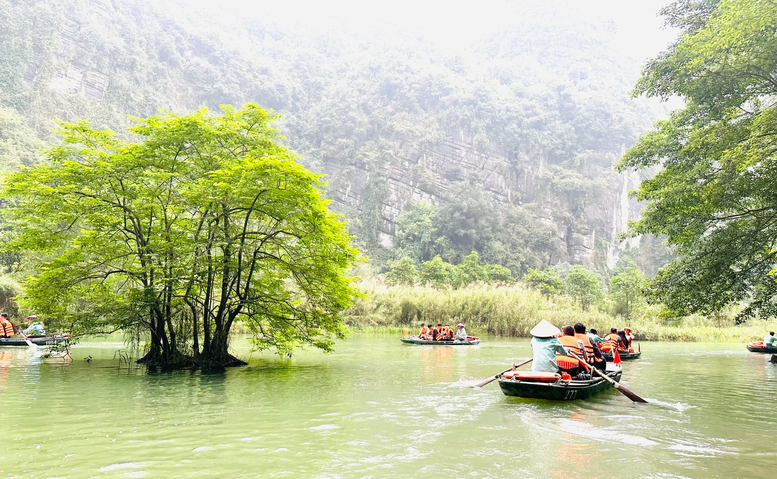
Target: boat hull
425, 342
39, 341
624, 356
760, 348
558, 391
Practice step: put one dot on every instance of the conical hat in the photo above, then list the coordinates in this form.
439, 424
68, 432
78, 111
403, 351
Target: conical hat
544, 330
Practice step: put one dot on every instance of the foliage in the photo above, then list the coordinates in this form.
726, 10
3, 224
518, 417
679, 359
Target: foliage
205, 221
435, 272
714, 197
584, 286
626, 289
547, 281
514, 310
543, 99
402, 271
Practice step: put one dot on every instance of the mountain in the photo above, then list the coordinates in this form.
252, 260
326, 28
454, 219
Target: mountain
510, 135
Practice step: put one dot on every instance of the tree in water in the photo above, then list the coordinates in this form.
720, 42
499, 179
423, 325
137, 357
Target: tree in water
204, 222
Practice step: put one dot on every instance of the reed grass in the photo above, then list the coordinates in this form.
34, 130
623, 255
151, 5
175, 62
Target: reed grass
512, 310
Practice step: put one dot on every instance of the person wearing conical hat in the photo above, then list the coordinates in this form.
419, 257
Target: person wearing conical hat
545, 345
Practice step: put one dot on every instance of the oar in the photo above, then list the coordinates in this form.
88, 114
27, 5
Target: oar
621, 388
29, 343
486, 381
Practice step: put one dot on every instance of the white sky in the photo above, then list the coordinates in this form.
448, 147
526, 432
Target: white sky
452, 23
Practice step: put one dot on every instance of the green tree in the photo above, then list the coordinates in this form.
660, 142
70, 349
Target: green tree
205, 221
496, 273
714, 197
627, 290
436, 272
402, 271
415, 232
547, 281
584, 286
469, 271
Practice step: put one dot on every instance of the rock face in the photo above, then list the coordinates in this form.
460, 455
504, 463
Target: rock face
417, 173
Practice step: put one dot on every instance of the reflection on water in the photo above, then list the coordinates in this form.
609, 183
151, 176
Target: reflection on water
378, 408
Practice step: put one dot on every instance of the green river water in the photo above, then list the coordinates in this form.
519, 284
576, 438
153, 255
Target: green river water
378, 408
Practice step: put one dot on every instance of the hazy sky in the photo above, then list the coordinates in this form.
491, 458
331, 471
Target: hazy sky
452, 23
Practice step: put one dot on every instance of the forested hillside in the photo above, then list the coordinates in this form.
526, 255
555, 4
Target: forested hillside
504, 147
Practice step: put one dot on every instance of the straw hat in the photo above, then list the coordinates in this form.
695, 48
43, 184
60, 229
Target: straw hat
544, 330
459, 325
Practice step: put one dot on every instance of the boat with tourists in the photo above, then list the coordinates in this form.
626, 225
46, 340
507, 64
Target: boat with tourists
470, 341
38, 341
546, 385
760, 347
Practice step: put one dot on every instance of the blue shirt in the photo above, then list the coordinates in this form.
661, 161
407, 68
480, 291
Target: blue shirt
545, 350
769, 340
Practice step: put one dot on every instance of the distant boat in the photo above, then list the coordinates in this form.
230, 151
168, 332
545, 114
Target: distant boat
38, 341
471, 341
625, 355
542, 385
758, 347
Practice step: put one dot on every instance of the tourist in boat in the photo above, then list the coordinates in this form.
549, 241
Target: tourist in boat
592, 351
424, 331
445, 334
35, 328
611, 340
545, 344
623, 341
461, 333
629, 338
437, 332
770, 340
595, 338
6, 326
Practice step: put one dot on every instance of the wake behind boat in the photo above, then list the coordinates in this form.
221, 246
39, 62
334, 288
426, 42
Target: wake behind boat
544, 385
470, 341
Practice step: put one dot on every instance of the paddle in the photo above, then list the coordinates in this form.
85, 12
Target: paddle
486, 381
621, 388
29, 343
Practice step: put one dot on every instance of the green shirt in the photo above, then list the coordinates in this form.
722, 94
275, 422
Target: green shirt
769, 340
545, 350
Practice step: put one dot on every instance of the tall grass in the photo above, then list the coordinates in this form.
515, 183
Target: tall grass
512, 310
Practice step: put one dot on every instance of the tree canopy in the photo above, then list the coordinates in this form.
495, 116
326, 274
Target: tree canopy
203, 221
714, 198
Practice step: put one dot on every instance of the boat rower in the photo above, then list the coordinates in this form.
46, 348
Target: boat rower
629, 338
34, 328
461, 333
545, 345
770, 340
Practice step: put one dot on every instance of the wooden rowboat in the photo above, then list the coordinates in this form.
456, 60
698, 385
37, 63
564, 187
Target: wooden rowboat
625, 355
471, 341
758, 347
38, 341
558, 390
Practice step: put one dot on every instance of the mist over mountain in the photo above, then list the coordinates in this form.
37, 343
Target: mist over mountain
493, 133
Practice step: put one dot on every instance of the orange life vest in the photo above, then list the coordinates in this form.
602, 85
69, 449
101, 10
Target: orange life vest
446, 332
566, 362
570, 342
589, 348
612, 342
7, 327
424, 330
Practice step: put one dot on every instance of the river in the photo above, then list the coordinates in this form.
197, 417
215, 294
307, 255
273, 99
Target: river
378, 408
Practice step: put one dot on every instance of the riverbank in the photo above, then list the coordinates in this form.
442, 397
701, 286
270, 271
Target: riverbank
512, 310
